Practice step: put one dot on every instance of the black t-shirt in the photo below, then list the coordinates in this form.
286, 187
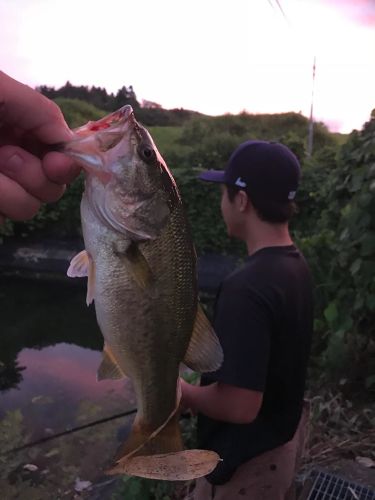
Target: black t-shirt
264, 320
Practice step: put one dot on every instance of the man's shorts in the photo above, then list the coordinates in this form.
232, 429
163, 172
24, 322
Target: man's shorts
269, 476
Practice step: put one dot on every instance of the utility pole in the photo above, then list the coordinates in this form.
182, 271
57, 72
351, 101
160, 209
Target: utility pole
311, 121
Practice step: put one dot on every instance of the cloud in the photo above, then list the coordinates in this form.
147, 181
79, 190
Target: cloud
361, 11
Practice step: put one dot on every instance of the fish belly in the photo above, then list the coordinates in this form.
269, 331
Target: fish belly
147, 329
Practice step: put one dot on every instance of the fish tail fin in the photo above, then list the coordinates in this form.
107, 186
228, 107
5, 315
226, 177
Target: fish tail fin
145, 441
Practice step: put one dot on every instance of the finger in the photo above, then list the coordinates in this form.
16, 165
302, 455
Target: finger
24, 107
59, 168
15, 202
26, 170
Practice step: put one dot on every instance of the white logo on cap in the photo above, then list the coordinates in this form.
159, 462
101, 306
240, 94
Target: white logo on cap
291, 195
239, 182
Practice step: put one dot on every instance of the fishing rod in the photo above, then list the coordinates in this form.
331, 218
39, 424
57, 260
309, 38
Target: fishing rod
75, 429
68, 431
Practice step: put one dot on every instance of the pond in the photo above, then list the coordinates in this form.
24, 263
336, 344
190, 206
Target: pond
50, 349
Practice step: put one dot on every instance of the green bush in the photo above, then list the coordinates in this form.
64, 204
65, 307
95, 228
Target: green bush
341, 252
335, 227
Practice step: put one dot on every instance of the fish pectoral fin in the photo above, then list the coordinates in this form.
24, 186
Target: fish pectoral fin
81, 266
109, 369
204, 353
137, 266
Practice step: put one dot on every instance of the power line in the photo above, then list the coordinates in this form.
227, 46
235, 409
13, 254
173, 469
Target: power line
272, 5
310, 135
281, 10
311, 121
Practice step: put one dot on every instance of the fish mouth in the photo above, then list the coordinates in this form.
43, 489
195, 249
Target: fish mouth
92, 143
114, 121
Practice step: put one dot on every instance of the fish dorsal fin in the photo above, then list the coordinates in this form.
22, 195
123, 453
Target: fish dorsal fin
109, 369
81, 266
204, 353
137, 266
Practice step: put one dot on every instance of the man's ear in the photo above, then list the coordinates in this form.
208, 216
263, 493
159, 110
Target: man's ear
243, 201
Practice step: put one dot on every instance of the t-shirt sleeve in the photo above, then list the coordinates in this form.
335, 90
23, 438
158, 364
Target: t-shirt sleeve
243, 325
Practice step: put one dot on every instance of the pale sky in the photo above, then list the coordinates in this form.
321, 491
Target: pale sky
212, 56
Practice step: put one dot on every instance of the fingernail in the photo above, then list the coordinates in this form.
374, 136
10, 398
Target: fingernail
15, 161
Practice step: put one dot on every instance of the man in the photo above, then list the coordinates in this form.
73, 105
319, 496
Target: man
251, 410
30, 174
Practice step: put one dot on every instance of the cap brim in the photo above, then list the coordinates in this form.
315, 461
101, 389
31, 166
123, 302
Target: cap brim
212, 176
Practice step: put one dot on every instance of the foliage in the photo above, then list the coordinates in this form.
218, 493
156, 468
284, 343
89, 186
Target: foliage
144, 489
335, 226
202, 203
207, 143
60, 220
165, 117
288, 128
335, 229
340, 427
11, 432
97, 98
168, 141
340, 247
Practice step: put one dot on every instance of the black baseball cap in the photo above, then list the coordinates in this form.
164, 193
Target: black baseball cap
267, 170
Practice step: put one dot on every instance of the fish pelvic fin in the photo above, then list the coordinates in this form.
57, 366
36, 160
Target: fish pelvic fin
146, 441
82, 265
109, 369
204, 353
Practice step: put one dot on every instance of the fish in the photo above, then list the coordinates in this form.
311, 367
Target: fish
141, 266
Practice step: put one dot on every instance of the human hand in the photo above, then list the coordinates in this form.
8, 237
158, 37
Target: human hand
29, 173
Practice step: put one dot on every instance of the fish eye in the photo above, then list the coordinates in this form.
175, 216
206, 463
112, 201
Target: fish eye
146, 152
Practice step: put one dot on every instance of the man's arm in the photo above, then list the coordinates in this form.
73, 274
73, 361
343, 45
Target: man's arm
222, 402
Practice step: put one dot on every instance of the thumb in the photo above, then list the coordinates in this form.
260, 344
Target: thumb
25, 108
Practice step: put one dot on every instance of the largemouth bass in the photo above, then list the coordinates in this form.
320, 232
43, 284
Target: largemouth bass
141, 266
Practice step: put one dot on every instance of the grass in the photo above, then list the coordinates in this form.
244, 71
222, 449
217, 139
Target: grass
167, 140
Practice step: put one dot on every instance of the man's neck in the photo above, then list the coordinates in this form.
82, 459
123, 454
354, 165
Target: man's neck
267, 235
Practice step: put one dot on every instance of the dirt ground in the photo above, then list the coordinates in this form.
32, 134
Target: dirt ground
69, 467
341, 441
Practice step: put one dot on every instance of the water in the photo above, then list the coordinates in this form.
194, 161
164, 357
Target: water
50, 349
